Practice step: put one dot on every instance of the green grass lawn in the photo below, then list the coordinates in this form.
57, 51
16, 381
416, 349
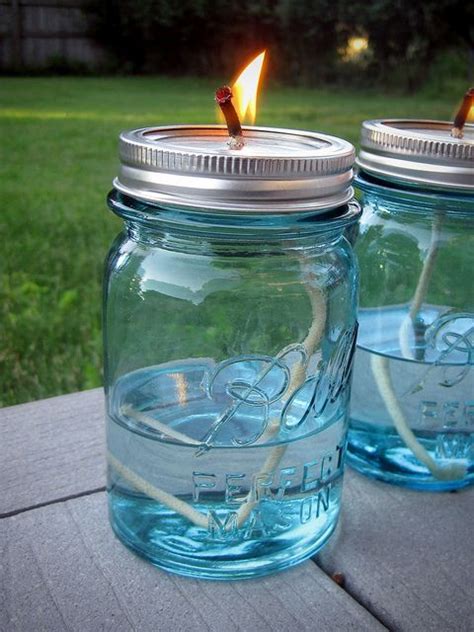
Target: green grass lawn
58, 155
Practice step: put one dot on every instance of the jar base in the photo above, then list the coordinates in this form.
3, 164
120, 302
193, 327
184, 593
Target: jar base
394, 463
222, 567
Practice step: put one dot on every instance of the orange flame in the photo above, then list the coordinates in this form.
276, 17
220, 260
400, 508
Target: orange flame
245, 90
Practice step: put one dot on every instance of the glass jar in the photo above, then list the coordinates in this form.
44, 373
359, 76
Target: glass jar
228, 346
412, 405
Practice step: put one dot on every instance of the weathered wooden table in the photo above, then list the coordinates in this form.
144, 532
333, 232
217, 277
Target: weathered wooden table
407, 557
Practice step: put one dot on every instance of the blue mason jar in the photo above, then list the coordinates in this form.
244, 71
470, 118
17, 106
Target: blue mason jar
412, 408
230, 323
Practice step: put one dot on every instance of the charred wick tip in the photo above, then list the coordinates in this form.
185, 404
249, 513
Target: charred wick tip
462, 114
223, 95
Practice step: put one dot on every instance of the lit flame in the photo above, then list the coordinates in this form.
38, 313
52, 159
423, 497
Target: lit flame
245, 90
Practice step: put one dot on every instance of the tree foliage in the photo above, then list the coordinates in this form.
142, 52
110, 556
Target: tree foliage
405, 36
306, 37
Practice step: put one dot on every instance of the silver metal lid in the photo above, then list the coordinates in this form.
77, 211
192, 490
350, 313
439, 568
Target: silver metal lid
418, 152
278, 170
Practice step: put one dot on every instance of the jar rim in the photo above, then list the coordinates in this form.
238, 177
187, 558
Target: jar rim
365, 181
398, 197
135, 209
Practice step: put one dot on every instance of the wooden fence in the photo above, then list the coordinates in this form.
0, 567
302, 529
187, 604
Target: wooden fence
33, 33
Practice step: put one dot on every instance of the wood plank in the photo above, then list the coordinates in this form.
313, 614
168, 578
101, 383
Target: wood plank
51, 449
64, 570
406, 556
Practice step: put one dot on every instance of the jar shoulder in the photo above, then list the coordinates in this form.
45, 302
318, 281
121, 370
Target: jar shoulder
128, 257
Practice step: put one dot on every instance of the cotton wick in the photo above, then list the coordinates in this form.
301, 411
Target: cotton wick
463, 113
224, 101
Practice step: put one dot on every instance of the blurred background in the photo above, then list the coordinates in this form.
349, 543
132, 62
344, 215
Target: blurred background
77, 72
394, 43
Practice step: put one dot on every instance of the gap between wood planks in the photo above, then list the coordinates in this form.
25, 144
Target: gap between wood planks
351, 593
62, 499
